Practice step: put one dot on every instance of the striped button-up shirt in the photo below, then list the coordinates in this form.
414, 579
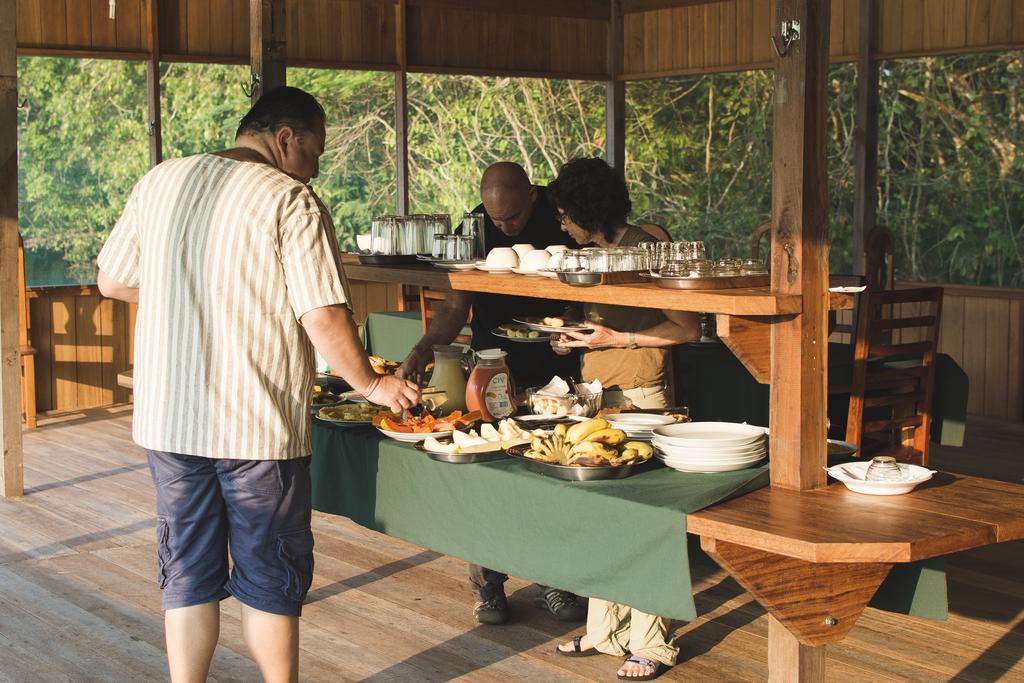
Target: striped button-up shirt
227, 256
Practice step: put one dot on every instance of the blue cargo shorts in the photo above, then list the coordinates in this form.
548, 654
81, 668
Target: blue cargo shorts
260, 509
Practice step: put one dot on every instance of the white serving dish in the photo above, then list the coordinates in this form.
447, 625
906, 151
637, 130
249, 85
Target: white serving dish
493, 270
710, 434
916, 475
412, 437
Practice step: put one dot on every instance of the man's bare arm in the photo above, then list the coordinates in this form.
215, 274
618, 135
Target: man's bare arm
446, 324
333, 333
112, 289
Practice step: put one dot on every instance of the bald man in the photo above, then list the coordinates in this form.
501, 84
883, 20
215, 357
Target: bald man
515, 212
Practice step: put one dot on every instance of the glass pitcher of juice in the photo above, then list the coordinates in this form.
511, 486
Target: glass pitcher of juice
490, 388
450, 377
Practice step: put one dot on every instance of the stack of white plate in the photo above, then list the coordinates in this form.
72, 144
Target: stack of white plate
638, 425
710, 446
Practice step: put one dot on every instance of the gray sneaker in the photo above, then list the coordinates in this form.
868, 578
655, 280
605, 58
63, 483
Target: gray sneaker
493, 611
562, 605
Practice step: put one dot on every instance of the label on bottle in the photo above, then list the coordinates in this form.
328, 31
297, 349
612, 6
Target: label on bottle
497, 397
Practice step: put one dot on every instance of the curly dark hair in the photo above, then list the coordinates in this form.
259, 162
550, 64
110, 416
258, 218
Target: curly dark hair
592, 194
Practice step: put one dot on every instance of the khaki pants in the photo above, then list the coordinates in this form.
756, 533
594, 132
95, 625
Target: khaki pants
616, 629
640, 397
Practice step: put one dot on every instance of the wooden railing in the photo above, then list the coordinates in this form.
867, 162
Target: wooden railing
981, 329
83, 340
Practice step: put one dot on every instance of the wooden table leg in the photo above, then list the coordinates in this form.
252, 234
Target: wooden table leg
809, 604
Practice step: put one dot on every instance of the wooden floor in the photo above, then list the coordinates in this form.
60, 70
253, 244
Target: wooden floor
78, 600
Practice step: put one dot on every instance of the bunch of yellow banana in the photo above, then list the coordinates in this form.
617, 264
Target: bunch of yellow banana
589, 443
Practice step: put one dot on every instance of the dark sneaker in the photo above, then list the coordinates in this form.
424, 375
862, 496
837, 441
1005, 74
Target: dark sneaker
563, 605
493, 611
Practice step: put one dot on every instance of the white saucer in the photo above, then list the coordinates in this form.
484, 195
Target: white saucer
493, 270
529, 273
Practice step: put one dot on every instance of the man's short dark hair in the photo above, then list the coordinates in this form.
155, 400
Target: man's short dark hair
593, 194
280, 107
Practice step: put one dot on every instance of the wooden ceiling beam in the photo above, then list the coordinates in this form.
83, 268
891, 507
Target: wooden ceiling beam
573, 9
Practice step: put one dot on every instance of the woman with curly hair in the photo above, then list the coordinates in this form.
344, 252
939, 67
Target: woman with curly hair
627, 351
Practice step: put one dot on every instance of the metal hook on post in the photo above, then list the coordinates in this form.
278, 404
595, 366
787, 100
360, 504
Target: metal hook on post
23, 103
253, 85
789, 31
151, 128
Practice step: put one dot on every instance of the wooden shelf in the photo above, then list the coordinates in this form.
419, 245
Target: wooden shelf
749, 302
834, 525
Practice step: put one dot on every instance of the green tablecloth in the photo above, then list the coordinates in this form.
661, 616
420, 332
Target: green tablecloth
620, 540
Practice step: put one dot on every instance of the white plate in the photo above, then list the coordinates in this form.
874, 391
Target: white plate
528, 273
713, 451
547, 273
493, 270
711, 467
673, 461
412, 437
456, 266
711, 434
916, 475
626, 421
535, 324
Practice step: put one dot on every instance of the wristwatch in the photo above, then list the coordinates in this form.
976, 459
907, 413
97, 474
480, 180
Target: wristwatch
632, 340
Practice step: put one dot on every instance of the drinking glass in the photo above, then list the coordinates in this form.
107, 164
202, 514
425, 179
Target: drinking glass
884, 468
465, 247
473, 224
384, 236
437, 249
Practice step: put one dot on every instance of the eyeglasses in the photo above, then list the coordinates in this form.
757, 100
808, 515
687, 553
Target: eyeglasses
563, 218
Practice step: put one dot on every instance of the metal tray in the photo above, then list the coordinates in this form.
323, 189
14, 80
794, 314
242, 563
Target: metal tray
711, 282
387, 259
570, 473
461, 458
589, 279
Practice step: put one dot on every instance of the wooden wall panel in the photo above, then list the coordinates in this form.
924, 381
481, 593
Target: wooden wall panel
907, 28
457, 40
83, 340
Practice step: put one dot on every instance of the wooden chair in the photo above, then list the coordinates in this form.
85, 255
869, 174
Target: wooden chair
430, 301
893, 373
755, 240
25, 349
879, 253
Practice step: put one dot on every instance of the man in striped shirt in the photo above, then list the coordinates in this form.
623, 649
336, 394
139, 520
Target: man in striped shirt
234, 263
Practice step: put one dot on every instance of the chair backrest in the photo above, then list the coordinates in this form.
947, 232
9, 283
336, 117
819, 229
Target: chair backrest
430, 301
894, 371
755, 240
881, 267
656, 231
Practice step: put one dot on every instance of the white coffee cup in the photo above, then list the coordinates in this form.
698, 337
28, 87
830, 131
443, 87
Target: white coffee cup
502, 257
522, 250
535, 260
363, 241
556, 248
555, 261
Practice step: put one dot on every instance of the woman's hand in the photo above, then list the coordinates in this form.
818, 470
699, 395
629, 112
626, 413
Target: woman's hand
557, 344
601, 338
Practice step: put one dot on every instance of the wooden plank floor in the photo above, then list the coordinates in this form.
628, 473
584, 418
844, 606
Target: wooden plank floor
78, 600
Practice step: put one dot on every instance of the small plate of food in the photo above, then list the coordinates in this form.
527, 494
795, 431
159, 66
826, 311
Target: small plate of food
520, 333
410, 429
553, 324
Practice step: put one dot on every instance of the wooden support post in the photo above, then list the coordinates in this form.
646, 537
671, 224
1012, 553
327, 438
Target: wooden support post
615, 93
12, 482
865, 136
267, 33
800, 249
154, 128
799, 266
401, 115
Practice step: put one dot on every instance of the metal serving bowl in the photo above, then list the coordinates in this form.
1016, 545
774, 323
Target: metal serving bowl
574, 473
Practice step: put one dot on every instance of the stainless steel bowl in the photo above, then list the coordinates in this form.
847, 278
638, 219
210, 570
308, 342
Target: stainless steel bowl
581, 278
571, 473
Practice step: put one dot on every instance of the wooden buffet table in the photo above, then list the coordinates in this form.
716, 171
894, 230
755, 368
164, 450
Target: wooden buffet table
814, 557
